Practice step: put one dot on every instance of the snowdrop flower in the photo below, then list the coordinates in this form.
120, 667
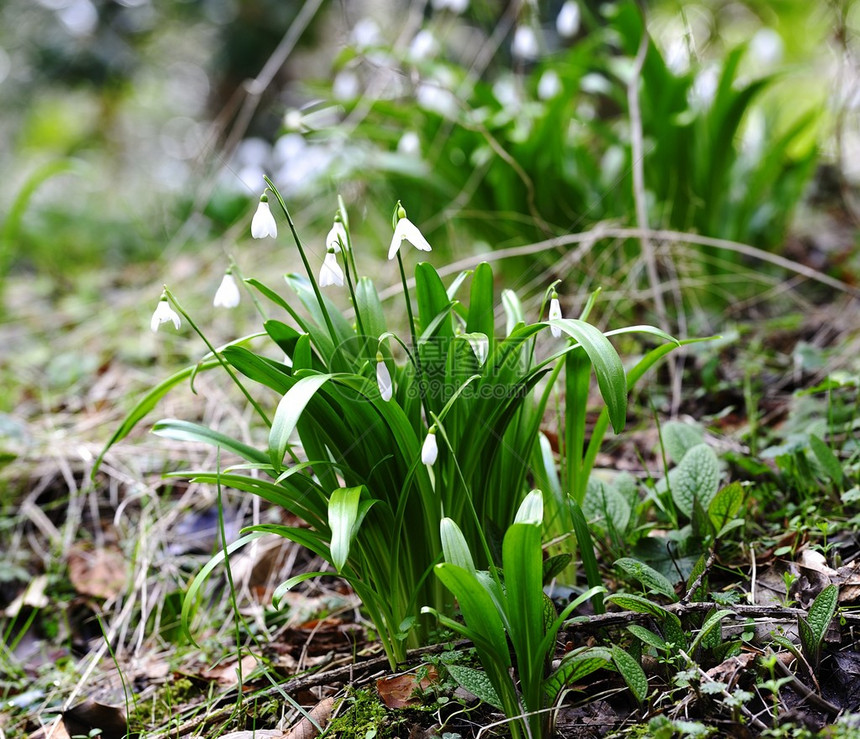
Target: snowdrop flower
164, 313
331, 273
263, 223
429, 451
525, 43
423, 46
227, 295
455, 6
336, 236
409, 144
383, 378
407, 230
554, 314
567, 21
549, 85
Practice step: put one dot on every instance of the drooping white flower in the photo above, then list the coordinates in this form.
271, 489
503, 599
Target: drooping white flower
429, 450
423, 46
406, 230
455, 6
227, 295
525, 43
549, 85
409, 144
263, 223
383, 378
164, 313
331, 273
554, 314
567, 21
336, 236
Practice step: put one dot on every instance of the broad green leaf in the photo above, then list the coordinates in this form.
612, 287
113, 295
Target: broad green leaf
697, 477
648, 637
454, 547
648, 576
513, 311
481, 306
259, 369
605, 506
725, 505
827, 459
287, 415
283, 335
631, 671
821, 611
679, 437
178, 430
370, 308
608, 369
432, 299
637, 603
342, 328
555, 565
343, 521
712, 625
575, 666
477, 683
808, 641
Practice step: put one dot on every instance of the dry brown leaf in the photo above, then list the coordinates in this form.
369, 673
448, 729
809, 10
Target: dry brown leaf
98, 573
256, 734
89, 714
228, 674
398, 691
54, 730
321, 713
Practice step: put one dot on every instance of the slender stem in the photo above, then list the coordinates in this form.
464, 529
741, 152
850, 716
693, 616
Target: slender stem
217, 356
302, 254
415, 349
347, 271
254, 299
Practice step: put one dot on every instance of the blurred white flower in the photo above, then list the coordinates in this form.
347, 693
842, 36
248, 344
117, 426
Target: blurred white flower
409, 144
431, 96
331, 273
227, 295
164, 313
525, 43
568, 19
423, 46
429, 450
293, 120
455, 6
263, 223
383, 378
554, 314
365, 33
346, 85
766, 47
406, 230
336, 237
549, 85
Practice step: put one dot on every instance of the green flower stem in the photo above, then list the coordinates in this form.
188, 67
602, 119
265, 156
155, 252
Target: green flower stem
257, 304
348, 272
307, 265
217, 356
417, 353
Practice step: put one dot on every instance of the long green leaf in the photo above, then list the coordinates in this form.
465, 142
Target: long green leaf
287, 415
171, 428
343, 522
631, 671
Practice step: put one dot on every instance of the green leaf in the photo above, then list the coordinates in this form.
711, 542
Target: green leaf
605, 506
531, 509
370, 308
648, 576
454, 547
481, 306
827, 459
477, 683
637, 603
287, 415
697, 477
513, 311
586, 551
712, 625
343, 520
178, 430
575, 666
679, 437
725, 505
608, 368
648, 637
808, 641
432, 299
631, 671
821, 611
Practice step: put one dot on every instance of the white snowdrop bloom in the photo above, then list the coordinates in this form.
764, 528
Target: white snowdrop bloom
164, 313
293, 120
525, 43
506, 91
346, 85
423, 46
568, 19
431, 96
549, 85
331, 273
227, 295
429, 450
766, 47
409, 144
263, 223
408, 231
554, 314
705, 87
336, 237
455, 6
365, 33
383, 378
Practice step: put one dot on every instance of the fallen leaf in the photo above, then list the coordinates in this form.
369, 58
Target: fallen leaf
54, 730
88, 715
321, 714
398, 691
33, 596
98, 573
228, 674
256, 734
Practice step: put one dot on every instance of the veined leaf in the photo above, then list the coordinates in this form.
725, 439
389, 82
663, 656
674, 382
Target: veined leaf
827, 459
821, 611
697, 477
477, 683
631, 671
679, 437
712, 624
648, 576
648, 637
638, 604
575, 666
725, 505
